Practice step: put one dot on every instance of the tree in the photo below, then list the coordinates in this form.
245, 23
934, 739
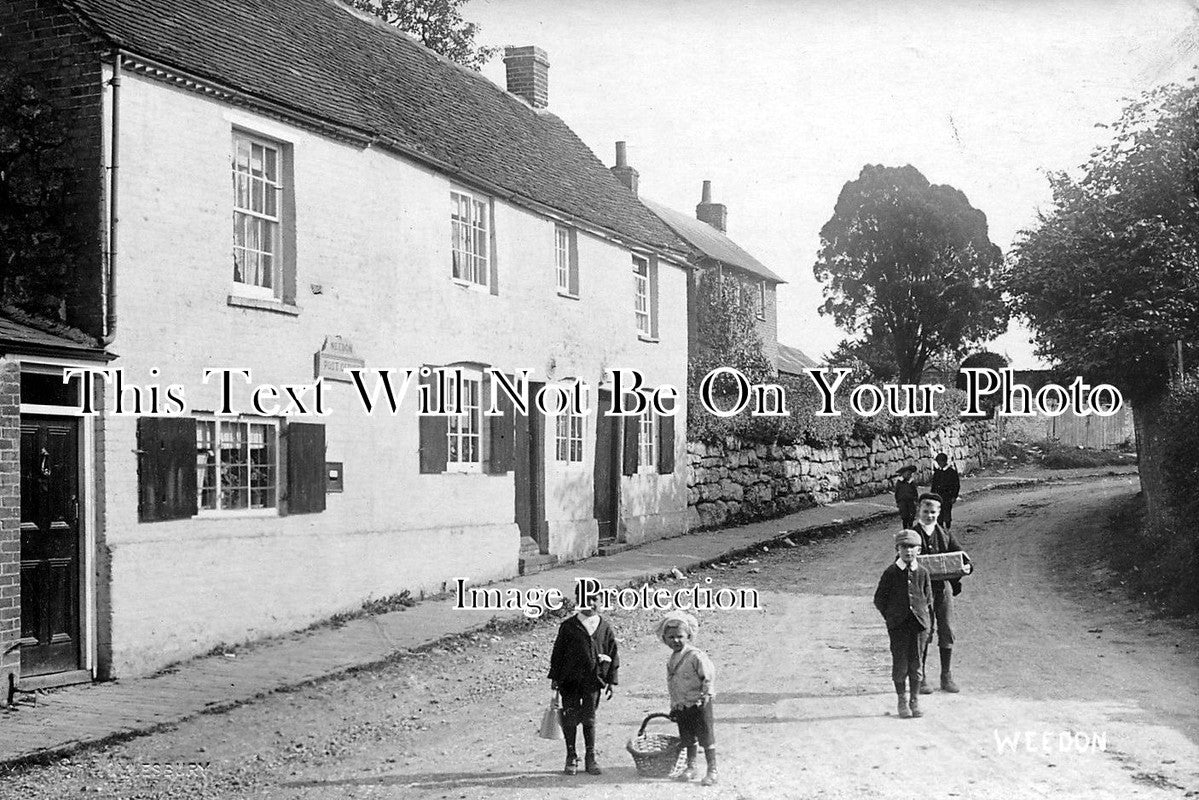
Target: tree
35, 261
726, 335
1109, 277
437, 24
909, 267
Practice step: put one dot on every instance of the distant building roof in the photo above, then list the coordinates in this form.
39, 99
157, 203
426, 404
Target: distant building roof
794, 361
24, 335
710, 242
323, 61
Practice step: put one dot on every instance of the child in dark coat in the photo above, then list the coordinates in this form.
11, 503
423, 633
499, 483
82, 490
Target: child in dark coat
904, 596
906, 492
584, 663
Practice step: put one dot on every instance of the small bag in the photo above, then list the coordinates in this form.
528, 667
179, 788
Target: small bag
551, 721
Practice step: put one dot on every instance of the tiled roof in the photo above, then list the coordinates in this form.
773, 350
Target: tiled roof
318, 58
710, 242
794, 361
22, 334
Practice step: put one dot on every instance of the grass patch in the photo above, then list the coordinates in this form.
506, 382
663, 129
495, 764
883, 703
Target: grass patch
1157, 557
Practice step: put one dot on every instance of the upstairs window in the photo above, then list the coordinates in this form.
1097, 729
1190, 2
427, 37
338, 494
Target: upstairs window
760, 300
641, 294
470, 218
566, 261
257, 238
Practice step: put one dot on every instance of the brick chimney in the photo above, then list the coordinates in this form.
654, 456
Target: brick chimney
528, 74
623, 172
715, 214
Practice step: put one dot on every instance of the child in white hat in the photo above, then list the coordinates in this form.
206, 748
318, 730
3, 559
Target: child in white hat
689, 677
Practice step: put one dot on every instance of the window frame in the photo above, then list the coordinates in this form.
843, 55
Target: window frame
271, 187
479, 208
475, 430
641, 294
277, 466
570, 434
566, 261
760, 305
647, 442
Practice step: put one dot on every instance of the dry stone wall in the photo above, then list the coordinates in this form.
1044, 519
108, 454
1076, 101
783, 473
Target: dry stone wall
738, 481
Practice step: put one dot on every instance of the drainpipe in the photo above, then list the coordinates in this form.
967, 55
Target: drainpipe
110, 272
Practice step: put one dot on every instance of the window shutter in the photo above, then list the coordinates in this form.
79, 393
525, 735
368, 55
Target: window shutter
433, 430
166, 468
653, 297
305, 467
501, 430
573, 281
632, 430
665, 444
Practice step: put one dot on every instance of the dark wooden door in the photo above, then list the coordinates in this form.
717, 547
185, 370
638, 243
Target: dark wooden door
529, 477
49, 545
607, 470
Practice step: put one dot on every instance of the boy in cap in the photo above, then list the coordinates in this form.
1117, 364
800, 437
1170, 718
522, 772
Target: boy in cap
905, 495
689, 677
903, 597
947, 483
584, 663
934, 539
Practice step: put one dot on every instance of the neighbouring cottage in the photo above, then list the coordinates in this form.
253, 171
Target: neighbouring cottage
712, 249
293, 189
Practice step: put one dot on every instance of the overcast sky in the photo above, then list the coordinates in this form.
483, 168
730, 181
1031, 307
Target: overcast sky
780, 103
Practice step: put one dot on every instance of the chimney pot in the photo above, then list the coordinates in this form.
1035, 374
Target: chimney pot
528, 73
623, 172
715, 214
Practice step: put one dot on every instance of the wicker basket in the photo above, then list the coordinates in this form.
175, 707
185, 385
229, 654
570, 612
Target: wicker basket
655, 754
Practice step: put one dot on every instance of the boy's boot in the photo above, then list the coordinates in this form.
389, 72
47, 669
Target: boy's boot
590, 764
710, 779
572, 762
904, 711
688, 773
570, 729
914, 704
947, 683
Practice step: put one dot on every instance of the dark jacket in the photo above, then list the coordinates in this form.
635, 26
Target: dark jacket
905, 496
903, 592
575, 662
947, 483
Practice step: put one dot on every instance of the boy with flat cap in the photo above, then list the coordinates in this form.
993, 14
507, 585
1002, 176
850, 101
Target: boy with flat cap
904, 596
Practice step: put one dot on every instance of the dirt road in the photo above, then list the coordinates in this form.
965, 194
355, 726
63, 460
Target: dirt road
1068, 690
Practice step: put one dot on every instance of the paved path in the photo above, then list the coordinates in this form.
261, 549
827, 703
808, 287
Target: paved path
57, 722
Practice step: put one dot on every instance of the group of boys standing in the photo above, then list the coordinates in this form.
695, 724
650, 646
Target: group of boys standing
914, 605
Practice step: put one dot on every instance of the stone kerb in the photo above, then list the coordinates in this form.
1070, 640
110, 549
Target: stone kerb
739, 481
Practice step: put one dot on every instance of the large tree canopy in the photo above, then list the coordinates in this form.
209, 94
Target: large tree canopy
437, 24
909, 266
1109, 278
